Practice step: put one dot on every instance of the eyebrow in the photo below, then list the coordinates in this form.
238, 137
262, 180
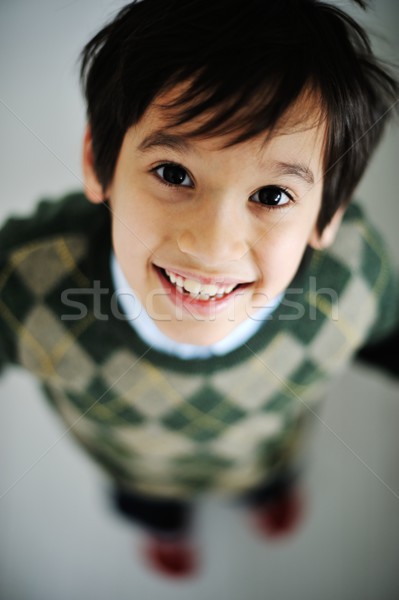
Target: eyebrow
165, 140
297, 169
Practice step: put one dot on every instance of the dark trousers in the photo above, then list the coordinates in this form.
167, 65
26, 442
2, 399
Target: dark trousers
174, 517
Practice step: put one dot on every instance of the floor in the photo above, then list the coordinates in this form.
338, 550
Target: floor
59, 540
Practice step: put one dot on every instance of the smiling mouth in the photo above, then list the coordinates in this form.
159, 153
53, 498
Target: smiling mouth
196, 290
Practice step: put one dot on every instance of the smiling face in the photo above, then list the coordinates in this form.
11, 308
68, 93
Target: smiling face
207, 234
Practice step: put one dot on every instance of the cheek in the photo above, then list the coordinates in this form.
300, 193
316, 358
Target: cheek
278, 258
133, 245
136, 228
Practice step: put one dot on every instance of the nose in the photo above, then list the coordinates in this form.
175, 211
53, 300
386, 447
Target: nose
214, 235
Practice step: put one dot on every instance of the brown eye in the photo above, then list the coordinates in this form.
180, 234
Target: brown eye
173, 175
271, 195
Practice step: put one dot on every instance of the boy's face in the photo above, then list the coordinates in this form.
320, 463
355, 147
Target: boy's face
207, 235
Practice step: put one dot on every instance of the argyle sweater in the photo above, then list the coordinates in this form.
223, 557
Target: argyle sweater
170, 427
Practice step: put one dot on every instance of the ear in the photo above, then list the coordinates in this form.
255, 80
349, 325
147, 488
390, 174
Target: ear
92, 187
320, 241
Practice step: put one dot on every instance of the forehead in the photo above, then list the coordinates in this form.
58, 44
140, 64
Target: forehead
299, 136
167, 114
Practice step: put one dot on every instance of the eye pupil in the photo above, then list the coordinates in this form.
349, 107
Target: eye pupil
270, 196
174, 174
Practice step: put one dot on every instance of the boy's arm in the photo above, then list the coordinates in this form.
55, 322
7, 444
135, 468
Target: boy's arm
16, 232
19, 235
7, 353
383, 354
3, 353
7, 342
382, 348
9, 299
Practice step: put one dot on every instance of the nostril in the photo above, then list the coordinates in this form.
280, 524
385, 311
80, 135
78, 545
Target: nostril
186, 242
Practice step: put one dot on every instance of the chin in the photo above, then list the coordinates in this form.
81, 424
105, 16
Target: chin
196, 334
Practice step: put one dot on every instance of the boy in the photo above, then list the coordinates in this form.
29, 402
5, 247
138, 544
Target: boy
224, 190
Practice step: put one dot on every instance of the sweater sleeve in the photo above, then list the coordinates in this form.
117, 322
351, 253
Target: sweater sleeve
381, 349
3, 353
8, 298
383, 354
48, 218
7, 343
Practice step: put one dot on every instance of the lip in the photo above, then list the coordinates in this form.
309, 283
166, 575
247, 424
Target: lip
193, 305
206, 280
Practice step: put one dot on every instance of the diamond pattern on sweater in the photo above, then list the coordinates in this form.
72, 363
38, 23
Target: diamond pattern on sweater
242, 438
50, 351
348, 249
249, 384
147, 389
204, 415
60, 257
358, 307
156, 442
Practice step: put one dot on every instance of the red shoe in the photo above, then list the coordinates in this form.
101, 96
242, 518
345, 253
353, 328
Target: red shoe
280, 515
176, 558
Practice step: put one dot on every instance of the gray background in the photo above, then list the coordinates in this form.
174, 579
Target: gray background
58, 538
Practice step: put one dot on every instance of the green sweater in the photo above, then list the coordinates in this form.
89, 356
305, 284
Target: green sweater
172, 427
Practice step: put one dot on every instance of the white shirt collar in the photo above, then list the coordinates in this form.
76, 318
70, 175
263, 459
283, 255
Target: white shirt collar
144, 326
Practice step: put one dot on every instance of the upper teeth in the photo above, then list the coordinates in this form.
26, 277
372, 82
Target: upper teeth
197, 289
